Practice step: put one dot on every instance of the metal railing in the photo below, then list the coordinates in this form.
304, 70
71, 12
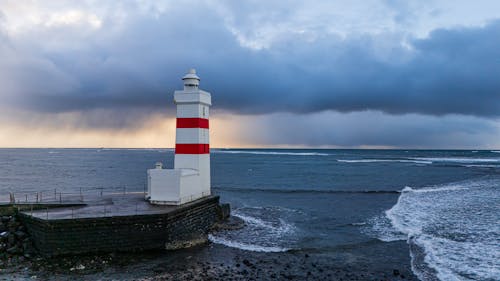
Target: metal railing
59, 196
37, 206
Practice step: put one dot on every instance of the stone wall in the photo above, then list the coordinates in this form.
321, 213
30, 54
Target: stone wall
179, 228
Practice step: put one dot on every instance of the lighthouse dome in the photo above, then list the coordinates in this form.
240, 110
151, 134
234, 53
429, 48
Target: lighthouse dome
191, 80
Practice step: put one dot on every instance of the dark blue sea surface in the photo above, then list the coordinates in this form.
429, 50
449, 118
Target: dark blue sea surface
445, 204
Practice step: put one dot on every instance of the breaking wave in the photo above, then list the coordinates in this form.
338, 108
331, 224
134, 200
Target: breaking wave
452, 229
247, 247
264, 231
385, 160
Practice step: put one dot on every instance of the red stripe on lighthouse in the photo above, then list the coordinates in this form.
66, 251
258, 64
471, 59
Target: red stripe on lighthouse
192, 148
192, 123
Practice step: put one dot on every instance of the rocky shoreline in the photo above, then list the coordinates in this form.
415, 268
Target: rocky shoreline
212, 262
386, 261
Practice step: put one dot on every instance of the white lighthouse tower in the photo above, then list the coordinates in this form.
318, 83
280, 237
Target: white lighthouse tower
190, 178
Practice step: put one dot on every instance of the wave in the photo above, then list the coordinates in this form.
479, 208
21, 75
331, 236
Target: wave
265, 231
244, 246
495, 151
292, 191
452, 229
458, 159
270, 152
384, 160
449, 187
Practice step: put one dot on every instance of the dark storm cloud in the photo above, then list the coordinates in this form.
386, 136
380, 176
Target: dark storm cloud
452, 71
373, 129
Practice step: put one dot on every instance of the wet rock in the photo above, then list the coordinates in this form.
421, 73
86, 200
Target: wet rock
395, 272
247, 263
11, 239
14, 250
20, 234
184, 244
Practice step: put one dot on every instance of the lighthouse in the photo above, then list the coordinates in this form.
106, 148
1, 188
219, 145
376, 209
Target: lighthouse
190, 178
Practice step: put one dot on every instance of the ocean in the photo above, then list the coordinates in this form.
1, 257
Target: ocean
445, 204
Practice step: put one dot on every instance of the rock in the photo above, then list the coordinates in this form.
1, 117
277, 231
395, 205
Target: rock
2, 227
395, 272
14, 250
183, 244
78, 267
247, 263
20, 234
11, 239
5, 219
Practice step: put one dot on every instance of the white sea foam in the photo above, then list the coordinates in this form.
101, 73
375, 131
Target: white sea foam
384, 160
449, 187
458, 159
496, 151
244, 246
265, 231
452, 229
270, 152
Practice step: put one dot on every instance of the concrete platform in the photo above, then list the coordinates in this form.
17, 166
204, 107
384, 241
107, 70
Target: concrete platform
109, 205
119, 222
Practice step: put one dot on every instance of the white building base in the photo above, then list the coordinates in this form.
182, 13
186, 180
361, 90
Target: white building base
174, 186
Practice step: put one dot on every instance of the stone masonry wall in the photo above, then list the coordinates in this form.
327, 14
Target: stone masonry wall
123, 233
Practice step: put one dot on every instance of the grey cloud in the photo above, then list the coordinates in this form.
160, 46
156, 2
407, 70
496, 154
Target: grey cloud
452, 71
374, 129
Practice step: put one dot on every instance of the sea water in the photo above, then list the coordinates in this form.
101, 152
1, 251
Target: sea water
444, 204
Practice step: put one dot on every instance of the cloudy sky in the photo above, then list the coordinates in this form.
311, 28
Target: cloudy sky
344, 73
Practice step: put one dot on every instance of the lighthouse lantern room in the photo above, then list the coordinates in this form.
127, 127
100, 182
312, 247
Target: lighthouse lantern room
190, 178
